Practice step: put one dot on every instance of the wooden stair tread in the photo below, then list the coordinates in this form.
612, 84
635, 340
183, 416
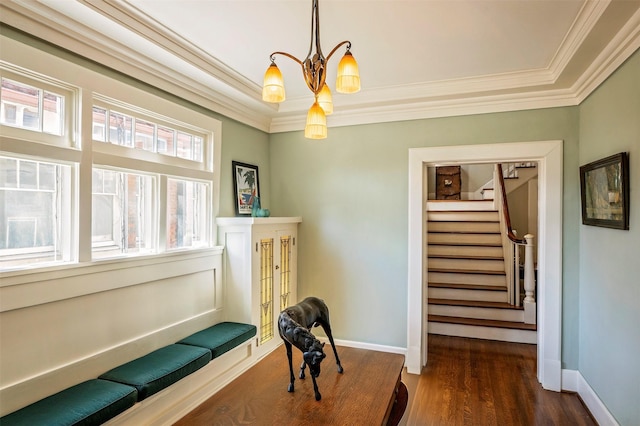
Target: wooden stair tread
466, 271
464, 221
465, 232
482, 322
464, 257
468, 286
453, 201
474, 304
451, 243
464, 211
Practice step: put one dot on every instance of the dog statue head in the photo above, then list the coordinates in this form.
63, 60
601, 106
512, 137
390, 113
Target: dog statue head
313, 357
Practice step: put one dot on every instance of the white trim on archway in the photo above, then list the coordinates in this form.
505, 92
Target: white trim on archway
548, 154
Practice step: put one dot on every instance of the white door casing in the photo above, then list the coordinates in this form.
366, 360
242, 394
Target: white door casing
549, 156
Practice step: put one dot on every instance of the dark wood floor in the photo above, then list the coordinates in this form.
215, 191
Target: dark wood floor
482, 382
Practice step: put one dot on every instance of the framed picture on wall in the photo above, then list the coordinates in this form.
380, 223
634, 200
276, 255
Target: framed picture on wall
245, 186
604, 190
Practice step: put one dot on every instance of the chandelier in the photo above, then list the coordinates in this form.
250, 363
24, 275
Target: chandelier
314, 68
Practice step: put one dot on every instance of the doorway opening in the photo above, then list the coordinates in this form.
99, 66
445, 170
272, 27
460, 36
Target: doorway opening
548, 155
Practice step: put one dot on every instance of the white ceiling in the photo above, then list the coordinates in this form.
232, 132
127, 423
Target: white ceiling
417, 59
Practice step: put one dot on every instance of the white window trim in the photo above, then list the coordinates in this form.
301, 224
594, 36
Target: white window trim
81, 152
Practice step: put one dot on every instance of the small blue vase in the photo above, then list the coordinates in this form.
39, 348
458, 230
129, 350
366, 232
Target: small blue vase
255, 207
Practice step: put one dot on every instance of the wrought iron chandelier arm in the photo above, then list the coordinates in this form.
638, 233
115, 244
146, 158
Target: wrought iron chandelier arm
273, 57
342, 43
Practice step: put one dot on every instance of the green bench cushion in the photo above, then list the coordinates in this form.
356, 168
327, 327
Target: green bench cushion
159, 369
221, 337
89, 403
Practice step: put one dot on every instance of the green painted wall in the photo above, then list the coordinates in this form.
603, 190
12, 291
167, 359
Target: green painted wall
351, 191
247, 145
609, 337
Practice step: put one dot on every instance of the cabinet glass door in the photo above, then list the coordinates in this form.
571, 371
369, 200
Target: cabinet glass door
275, 281
266, 290
285, 271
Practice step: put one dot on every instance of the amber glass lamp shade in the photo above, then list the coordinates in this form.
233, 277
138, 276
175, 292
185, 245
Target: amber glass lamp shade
325, 101
316, 127
348, 80
273, 87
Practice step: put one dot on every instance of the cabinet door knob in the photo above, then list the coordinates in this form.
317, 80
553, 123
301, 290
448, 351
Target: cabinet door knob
277, 267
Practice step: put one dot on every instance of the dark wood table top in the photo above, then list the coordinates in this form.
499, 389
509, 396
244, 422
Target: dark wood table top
361, 395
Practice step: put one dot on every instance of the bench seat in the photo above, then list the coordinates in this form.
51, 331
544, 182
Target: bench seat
221, 338
159, 369
96, 401
89, 403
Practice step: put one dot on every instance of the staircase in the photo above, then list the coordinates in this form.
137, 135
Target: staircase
466, 274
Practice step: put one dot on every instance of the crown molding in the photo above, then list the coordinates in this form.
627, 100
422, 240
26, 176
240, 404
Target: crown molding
177, 66
385, 113
585, 21
136, 21
182, 80
619, 49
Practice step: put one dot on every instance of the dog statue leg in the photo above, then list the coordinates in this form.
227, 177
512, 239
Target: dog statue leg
315, 388
327, 329
289, 356
302, 367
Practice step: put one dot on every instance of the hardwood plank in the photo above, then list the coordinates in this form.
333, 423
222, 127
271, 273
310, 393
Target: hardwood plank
361, 395
483, 382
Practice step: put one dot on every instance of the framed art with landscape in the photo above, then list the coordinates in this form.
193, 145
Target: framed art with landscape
604, 190
245, 187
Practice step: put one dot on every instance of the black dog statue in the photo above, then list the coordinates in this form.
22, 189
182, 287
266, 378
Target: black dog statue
294, 324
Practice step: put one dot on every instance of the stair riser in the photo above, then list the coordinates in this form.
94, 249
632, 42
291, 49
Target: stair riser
459, 205
443, 250
488, 194
512, 315
479, 239
478, 227
463, 216
478, 332
477, 279
475, 295
467, 264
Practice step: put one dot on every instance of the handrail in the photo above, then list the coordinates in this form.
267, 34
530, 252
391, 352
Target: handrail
505, 207
512, 245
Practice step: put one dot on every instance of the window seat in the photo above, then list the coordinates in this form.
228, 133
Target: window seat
98, 400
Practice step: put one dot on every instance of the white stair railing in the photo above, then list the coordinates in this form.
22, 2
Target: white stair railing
512, 245
529, 282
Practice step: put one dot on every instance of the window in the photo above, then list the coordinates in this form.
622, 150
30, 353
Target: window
187, 213
34, 221
31, 108
122, 213
149, 183
134, 131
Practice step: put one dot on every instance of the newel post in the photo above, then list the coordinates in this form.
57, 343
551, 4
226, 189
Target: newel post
529, 282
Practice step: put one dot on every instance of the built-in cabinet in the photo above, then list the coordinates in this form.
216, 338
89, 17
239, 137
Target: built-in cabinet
260, 272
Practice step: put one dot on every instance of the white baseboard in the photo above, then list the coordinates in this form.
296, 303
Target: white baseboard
573, 381
368, 346
570, 380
